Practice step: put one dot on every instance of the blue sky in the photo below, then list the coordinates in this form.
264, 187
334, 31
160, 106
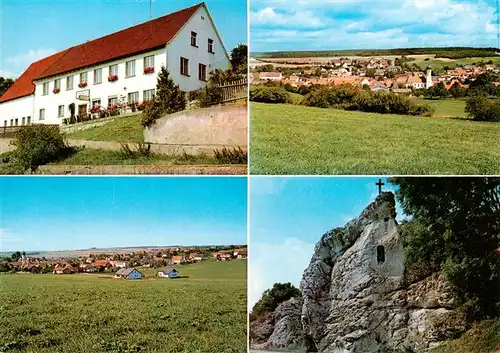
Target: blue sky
33, 29
288, 215
58, 213
277, 25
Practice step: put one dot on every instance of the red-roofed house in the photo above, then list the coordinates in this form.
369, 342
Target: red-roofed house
121, 66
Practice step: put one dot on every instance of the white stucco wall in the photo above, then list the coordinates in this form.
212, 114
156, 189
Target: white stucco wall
17, 109
180, 46
124, 85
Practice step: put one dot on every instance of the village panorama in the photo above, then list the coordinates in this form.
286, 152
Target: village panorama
375, 111
89, 291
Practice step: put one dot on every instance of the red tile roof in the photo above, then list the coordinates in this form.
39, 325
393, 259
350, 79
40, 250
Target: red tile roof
146, 36
23, 86
143, 37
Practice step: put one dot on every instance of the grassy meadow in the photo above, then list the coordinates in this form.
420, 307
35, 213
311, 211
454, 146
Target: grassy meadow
121, 129
290, 139
205, 312
439, 63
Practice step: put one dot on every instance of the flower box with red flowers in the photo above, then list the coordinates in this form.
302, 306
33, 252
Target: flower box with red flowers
95, 109
56, 90
113, 78
82, 84
149, 70
113, 107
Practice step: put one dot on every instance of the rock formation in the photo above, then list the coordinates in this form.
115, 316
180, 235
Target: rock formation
355, 297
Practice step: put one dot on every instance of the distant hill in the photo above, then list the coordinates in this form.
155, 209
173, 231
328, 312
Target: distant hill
451, 52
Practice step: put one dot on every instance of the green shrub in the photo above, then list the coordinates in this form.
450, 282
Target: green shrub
265, 94
271, 298
481, 108
353, 98
39, 144
168, 99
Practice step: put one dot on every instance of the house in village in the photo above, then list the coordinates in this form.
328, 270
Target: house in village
179, 259
270, 76
129, 273
64, 269
120, 68
195, 257
241, 254
223, 255
168, 273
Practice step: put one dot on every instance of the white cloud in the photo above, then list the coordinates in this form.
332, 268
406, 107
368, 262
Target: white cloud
344, 24
6, 238
269, 16
8, 74
271, 263
18, 63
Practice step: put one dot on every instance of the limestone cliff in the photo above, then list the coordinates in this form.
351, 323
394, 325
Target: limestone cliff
355, 297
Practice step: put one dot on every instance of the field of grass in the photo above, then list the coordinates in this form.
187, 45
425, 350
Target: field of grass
446, 107
88, 313
121, 129
289, 139
440, 63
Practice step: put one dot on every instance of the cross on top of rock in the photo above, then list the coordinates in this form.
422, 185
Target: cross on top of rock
380, 184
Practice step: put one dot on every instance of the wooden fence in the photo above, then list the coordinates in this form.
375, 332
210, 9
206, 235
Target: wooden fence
234, 90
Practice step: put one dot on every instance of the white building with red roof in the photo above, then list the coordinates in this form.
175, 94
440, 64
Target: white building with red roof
120, 67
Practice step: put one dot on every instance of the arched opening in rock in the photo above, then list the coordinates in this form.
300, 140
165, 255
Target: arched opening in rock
380, 254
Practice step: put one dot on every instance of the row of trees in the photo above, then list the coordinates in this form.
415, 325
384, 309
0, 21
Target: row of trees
455, 229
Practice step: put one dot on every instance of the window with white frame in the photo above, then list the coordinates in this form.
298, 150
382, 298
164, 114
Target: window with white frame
69, 83
45, 88
57, 84
60, 111
130, 68
133, 97
83, 77
17, 121
97, 76
184, 66
28, 120
11, 122
41, 115
202, 72
23, 121
113, 70
210, 45
149, 61
148, 95
96, 103
193, 39
112, 100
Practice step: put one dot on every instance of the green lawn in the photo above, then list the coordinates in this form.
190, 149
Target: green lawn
437, 63
289, 139
446, 107
87, 313
121, 129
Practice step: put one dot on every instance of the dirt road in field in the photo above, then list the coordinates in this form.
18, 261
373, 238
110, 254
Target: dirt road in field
209, 169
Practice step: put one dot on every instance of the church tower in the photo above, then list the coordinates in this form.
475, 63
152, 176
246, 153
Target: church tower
428, 80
